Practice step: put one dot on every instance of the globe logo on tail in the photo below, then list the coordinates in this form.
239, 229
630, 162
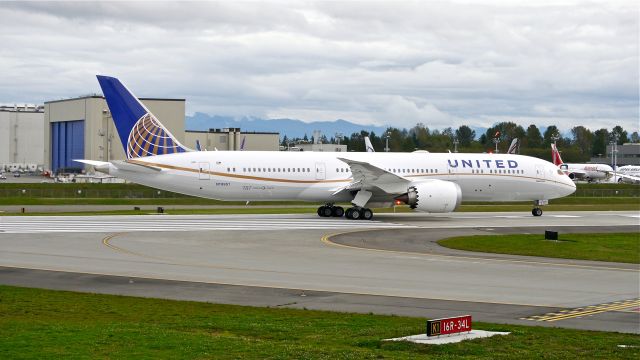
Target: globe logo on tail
148, 138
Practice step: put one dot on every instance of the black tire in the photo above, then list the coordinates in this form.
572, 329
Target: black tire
338, 211
536, 212
320, 210
347, 213
355, 214
367, 214
326, 212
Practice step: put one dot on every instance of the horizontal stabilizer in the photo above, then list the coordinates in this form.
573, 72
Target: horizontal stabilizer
101, 166
136, 166
95, 163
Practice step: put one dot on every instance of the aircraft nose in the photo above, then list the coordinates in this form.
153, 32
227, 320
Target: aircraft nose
570, 188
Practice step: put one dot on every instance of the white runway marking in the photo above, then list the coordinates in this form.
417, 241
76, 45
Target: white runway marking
77, 224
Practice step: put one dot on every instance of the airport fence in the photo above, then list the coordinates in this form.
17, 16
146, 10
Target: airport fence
133, 191
612, 192
89, 193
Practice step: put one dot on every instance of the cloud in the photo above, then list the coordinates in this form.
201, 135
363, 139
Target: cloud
381, 62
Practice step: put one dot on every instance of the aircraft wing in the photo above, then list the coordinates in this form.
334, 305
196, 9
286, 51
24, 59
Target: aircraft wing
576, 172
370, 177
628, 177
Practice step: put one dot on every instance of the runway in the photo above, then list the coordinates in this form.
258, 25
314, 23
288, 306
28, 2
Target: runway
284, 254
93, 224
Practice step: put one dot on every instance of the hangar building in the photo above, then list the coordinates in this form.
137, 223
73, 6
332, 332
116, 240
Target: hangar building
627, 154
82, 128
21, 137
49, 137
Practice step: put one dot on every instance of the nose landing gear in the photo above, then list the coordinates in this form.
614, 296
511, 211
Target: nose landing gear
536, 211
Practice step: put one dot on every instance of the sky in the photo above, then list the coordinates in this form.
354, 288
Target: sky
394, 63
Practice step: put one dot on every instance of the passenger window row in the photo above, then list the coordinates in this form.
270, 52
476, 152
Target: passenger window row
270, 170
413, 171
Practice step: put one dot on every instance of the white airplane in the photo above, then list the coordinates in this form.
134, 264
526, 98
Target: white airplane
428, 182
588, 172
628, 173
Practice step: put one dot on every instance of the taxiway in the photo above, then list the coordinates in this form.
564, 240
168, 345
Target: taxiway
276, 259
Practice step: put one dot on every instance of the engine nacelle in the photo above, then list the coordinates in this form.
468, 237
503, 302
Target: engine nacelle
435, 196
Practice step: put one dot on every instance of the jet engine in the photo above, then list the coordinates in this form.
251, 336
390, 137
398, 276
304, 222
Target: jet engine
435, 196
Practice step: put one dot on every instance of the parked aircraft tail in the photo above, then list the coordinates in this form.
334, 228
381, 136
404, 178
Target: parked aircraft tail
368, 145
242, 143
513, 148
555, 155
140, 131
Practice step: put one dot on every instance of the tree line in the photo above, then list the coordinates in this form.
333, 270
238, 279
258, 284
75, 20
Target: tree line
581, 146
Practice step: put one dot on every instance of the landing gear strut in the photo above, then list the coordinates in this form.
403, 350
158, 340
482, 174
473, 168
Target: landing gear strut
330, 211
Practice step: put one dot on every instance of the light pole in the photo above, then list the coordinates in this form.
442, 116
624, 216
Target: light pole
614, 151
455, 144
386, 137
496, 141
339, 137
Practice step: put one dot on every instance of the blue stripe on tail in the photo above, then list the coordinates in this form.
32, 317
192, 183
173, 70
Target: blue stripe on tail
139, 130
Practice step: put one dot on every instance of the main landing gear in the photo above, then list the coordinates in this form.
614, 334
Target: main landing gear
354, 213
536, 211
330, 211
357, 213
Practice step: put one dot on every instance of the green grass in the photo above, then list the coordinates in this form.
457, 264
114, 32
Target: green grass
47, 324
135, 201
615, 247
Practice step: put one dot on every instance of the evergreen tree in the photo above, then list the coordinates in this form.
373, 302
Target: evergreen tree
583, 139
465, 135
533, 137
551, 132
621, 133
600, 140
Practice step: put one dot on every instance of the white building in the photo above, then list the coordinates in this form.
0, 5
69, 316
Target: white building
22, 138
317, 147
233, 139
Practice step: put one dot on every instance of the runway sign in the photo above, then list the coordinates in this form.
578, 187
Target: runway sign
452, 325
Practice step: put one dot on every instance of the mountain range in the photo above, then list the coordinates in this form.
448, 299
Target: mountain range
290, 127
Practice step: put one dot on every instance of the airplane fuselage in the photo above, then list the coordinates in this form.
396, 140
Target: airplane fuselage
588, 171
317, 176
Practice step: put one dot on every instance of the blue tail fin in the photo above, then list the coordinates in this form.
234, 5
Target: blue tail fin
140, 131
